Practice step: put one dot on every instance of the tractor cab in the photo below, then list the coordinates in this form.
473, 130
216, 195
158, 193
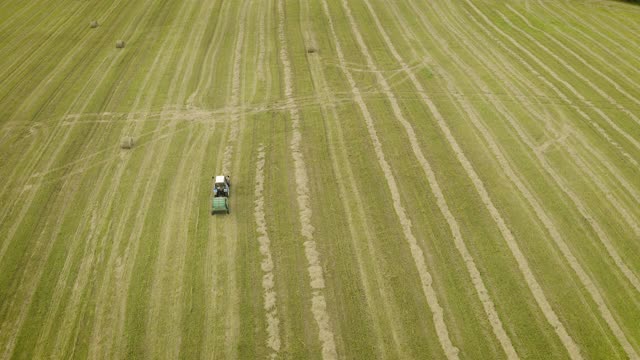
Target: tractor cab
221, 186
221, 192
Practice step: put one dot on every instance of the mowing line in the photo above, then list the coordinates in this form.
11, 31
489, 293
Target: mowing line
232, 312
607, 40
262, 49
164, 337
33, 161
101, 330
591, 149
270, 295
88, 269
438, 317
212, 274
532, 283
516, 179
556, 90
27, 52
25, 305
228, 238
122, 273
571, 69
567, 85
591, 52
611, 26
328, 108
312, 254
211, 57
628, 273
474, 273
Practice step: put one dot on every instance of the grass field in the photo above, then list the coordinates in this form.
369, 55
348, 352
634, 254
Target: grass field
410, 179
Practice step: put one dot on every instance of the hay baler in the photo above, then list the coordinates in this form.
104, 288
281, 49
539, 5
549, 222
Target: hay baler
221, 193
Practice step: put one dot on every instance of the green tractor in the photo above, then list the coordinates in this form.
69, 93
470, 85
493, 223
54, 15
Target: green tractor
221, 192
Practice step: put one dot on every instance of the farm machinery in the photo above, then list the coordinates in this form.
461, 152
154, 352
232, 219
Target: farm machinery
221, 192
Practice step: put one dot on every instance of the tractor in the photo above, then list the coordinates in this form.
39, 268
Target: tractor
221, 192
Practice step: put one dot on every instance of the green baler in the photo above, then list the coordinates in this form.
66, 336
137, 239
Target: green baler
221, 193
220, 204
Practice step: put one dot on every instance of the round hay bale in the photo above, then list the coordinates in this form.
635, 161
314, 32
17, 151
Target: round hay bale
94, 24
120, 44
312, 50
126, 142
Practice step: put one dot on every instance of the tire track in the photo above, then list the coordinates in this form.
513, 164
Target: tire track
621, 38
312, 254
270, 295
481, 290
176, 91
438, 317
539, 210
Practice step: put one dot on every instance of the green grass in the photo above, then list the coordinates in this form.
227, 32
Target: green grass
113, 253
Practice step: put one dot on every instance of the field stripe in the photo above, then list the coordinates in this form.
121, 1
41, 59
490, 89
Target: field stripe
121, 276
30, 166
556, 76
590, 51
36, 274
546, 5
316, 273
163, 336
206, 79
261, 45
212, 274
102, 330
438, 317
230, 164
18, 69
592, 149
603, 23
584, 115
578, 74
481, 290
532, 283
628, 273
594, 152
226, 314
329, 111
270, 295
87, 266
541, 213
